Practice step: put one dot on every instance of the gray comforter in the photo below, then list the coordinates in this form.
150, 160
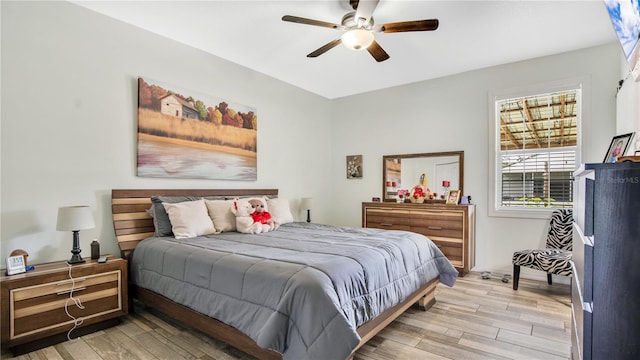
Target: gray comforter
301, 290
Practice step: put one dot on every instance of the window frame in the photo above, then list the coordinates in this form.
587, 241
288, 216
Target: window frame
495, 171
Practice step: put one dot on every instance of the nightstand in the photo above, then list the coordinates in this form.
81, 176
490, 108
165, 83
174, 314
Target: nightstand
33, 303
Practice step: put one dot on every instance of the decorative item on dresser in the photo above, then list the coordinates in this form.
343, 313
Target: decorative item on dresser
35, 304
454, 197
604, 290
617, 148
451, 227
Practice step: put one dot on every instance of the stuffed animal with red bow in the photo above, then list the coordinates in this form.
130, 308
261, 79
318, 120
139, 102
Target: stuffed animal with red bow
243, 210
262, 216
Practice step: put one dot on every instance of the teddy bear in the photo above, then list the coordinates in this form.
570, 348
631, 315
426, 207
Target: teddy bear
242, 209
262, 216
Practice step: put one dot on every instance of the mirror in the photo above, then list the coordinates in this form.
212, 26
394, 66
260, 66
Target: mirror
435, 169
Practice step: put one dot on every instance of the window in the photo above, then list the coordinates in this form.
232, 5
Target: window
536, 142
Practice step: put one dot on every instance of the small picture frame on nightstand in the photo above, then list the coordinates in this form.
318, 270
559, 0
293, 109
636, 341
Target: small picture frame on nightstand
15, 265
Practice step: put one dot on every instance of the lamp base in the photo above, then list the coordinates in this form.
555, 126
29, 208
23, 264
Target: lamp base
76, 258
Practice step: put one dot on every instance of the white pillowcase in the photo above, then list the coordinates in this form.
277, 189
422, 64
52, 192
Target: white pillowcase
220, 213
280, 210
189, 219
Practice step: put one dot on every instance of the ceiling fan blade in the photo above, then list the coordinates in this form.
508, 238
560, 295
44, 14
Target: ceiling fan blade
323, 49
301, 20
404, 26
377, 52
365, 10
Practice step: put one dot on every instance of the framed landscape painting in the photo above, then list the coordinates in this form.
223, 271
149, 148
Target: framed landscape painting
185, 134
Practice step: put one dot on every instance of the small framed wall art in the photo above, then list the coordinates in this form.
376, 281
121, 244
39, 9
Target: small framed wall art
354, 167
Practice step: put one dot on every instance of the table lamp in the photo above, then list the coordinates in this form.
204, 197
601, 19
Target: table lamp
305, 204
75, 218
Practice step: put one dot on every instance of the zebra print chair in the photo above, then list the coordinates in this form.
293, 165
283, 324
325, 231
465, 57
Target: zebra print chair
556, 258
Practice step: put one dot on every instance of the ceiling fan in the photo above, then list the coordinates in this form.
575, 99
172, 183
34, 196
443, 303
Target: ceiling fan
359, 29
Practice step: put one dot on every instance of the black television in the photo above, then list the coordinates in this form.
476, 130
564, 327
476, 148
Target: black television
625, 17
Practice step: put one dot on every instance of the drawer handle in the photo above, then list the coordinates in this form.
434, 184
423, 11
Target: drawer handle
68, 291
386, 224
66, 282
434, 227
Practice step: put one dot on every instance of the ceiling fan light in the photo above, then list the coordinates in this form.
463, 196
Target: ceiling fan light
357, 39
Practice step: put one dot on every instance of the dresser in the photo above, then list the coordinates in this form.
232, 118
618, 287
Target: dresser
451, 227
605, 295
33, 303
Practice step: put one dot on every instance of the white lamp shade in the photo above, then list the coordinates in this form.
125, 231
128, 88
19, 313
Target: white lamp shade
75, 218
357, 39
306, 203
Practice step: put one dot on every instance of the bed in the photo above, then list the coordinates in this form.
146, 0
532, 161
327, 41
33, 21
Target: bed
304, 291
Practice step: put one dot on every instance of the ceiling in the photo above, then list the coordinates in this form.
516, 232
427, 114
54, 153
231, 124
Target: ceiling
471, 35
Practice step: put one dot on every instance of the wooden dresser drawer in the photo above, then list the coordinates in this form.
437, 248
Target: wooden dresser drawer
382, 219
448, 224
389, 220
452, 249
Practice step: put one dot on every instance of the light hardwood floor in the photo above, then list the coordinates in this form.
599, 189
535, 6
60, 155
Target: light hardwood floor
476, 319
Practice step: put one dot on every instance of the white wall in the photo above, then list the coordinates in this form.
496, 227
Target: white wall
451, 113
69, 110
628, 106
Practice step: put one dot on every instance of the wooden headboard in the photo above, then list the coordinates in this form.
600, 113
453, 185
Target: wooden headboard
133, 224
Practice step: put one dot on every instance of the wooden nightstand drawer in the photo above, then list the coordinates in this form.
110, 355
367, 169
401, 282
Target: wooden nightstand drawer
41, 307
35, 304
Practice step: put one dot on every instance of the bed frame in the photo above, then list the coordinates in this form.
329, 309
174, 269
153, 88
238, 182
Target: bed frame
133, 224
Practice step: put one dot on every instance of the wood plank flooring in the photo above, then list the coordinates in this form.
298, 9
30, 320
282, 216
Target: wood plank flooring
476, 319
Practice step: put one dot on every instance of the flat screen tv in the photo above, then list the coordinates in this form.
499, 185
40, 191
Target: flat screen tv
625, 17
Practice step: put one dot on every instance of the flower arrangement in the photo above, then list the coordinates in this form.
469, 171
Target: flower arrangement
419, 193
402, 194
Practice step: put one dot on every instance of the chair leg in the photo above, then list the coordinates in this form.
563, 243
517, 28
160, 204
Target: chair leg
549, 278
516, 276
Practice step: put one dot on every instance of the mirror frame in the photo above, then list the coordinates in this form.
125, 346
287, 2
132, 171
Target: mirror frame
460, 155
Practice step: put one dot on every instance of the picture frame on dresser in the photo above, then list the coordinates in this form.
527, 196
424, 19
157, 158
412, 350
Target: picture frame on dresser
453, 197
617, 148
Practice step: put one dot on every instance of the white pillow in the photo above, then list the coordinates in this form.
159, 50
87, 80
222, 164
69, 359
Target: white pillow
189, 219
220, 213
280, 210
